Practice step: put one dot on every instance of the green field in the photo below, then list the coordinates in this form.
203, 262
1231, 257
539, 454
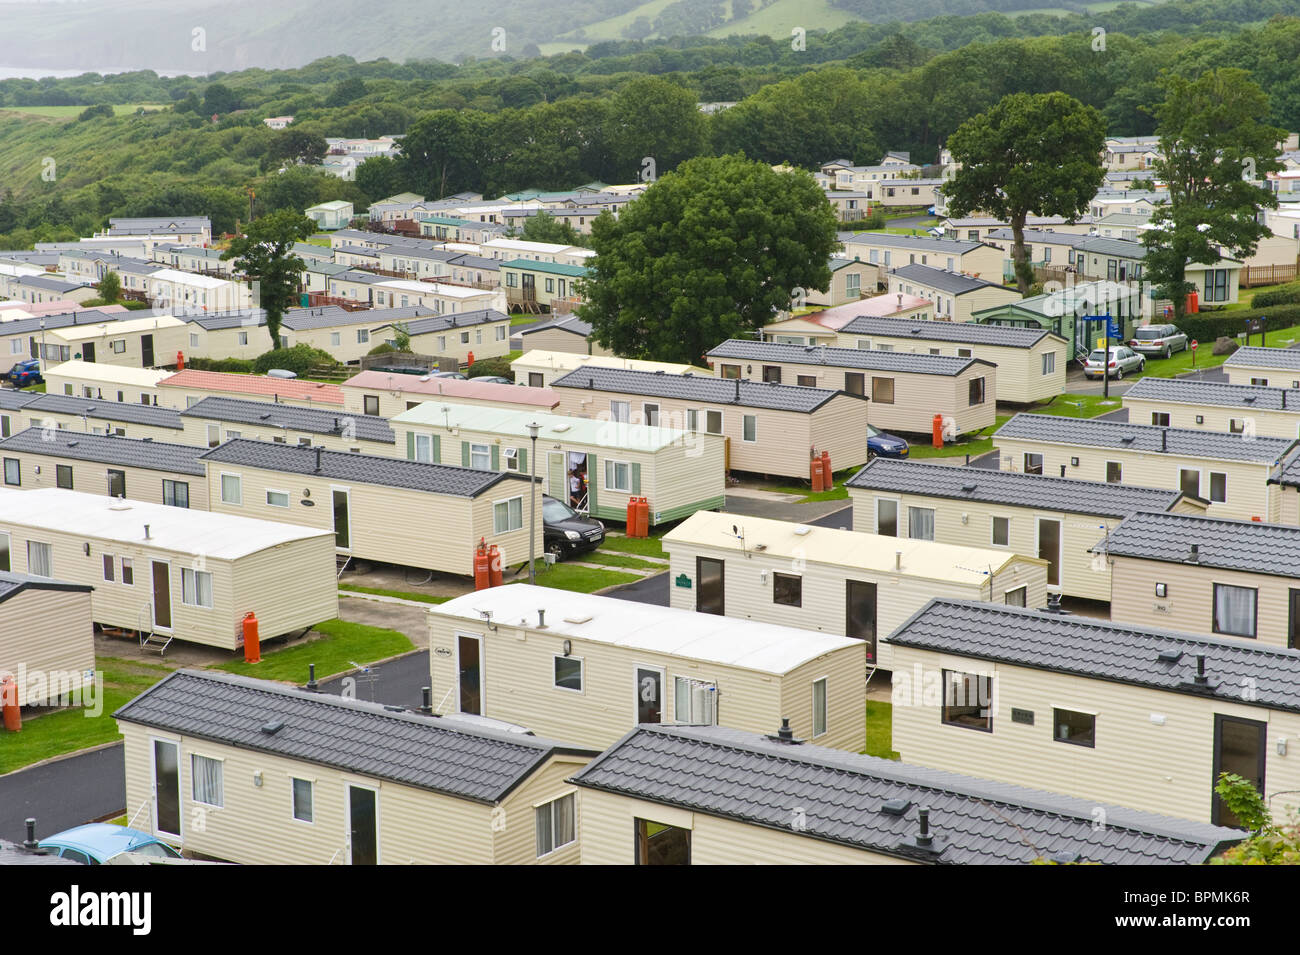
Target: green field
777, 19
72, 112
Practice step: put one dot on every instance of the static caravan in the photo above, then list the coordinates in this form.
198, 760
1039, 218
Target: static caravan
377, 508
1215, 406
541, 285
343, 334
466, 336
90, 416
316, 779
1271, 367
47, 635
148, 342
184, 389
833, 580
707, 795
84, 379
138, 469
1055, 519
891, 250
1231, 471
823, 328
957, 296
769, 428
387, 394
906, 390
1105, 711
178, 573
590, 668
237, 334
1204, 575
538, 369
679, 472
1031, 362
209, 421
563, 333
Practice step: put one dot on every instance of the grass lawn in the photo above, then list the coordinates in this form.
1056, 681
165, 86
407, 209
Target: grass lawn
422, 598
1079, 406
584, 580
68, 730
72, 112
523, 318
880, 730
618, 560
645, 546
974, 444
334, 651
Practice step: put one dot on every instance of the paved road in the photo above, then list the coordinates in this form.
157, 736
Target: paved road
396, 682
63, 793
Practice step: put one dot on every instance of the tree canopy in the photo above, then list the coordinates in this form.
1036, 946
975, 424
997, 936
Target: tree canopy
1031, 154
265, 254
711, 251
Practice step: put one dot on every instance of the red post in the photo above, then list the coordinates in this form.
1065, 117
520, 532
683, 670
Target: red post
9, 703
252, 643
936, 431
1195, 345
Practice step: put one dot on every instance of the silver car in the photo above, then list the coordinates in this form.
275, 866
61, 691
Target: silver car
1162, 340
1122, 359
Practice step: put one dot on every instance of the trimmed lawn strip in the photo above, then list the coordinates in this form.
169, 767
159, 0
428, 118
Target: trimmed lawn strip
340, 643
645, 546
618, 560
974, 444
422, 598
1079, 406
583, 580
880, 730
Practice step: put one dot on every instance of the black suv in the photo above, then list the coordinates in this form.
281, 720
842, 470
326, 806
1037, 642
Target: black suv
567, 532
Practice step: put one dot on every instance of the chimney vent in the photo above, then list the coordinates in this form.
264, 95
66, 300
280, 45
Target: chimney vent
146, 532
426, 697
923, 837
541, 619
898, 560
1200, 677
785, 734
1195, 556
319, 449
311, 677
30, 843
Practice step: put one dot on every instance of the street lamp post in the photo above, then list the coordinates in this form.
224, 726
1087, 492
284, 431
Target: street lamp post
533, 428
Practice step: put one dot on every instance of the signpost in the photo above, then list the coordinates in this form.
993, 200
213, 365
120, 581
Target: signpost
1111, 331
1195, 345
1256, 325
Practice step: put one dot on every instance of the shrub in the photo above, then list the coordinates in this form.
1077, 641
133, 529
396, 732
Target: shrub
383, 349
1206, 326
239, 366
301, 359
490, 366
1286, 295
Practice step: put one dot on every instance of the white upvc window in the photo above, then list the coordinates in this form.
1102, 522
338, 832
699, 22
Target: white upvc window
508, 515
620, 411
618, 476
196, 588
480, 457
206, 778
231, 489
277, 498
695, 701
556, 824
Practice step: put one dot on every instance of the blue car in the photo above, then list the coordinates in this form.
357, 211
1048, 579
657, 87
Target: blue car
885, 445
97, 842
25, 373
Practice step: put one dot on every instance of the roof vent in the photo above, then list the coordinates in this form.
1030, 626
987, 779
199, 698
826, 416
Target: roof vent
969, 488
1200, 679
273, 727
578, 618
895, 807
1194, 556
1054, 605
73, 444
263, 417
785, 734
1127, 438
1172, 655
1249, 399
1065, 857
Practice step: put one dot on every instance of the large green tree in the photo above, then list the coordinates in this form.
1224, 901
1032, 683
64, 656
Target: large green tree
1215, 150
265, 254
1031, 154
709, 252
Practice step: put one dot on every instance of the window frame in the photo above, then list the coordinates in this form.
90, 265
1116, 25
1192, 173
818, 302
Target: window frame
878, 387
616, 464
1090, 743
897, 505
221, 780
582, 673
824, 710
778, 577
993, 530
239, 488
1254, 614
567, 803
1026, 467
193, 589
293, 799
271, 503
507, 501
746, 421
945, 706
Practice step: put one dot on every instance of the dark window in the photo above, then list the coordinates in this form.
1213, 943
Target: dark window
772, 373
730, 371
977, 391
787, 589
1015, 598
176, 493
854, 383
887, 518
1002, 531
968, 700
63, 475
1160, 419
116, 483
371, 404
568, 673
658, 844
882, 390
1070, 726
1235, 610
1218, 487
1033, 463
810, 381
1189, 480
108, 566
536, 379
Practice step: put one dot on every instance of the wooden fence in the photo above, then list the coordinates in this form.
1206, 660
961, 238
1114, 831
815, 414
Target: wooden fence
1256, 275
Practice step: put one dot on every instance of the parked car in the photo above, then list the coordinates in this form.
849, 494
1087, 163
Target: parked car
493, 379
25, 373
885, 445
1162, 340
448, 374
566, 532
98, 842
1122, 359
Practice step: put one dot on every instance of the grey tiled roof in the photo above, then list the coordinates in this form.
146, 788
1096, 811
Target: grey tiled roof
124, 412
328, 316
109, 449
242, 318
1011, 488
12, 584
291, 417
759, 781
1002, 336
441, 323
67, 319
1250, 546
955, 283
704, 388
566, 323
359, 468
1089, 432
1254, 356
50, 284
911, 242
899, 362
11, 399
351, 735
1186, 391
1102, 650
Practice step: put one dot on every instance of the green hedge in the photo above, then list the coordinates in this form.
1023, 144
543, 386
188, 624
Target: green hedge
240, 366
490, 366
1284, 295
301, 358
1205, 327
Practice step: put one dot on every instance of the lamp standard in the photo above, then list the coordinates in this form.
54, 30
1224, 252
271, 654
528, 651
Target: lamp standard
533, 428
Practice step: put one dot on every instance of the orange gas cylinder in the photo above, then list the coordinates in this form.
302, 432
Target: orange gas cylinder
471, 360
252, 643
642, 517
936, 436
631, 517
482, 567
1193, 302
180, 361
828, 482
496, 577
817, 474
9, 703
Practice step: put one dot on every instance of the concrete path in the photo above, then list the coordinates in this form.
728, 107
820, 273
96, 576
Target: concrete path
64, 792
